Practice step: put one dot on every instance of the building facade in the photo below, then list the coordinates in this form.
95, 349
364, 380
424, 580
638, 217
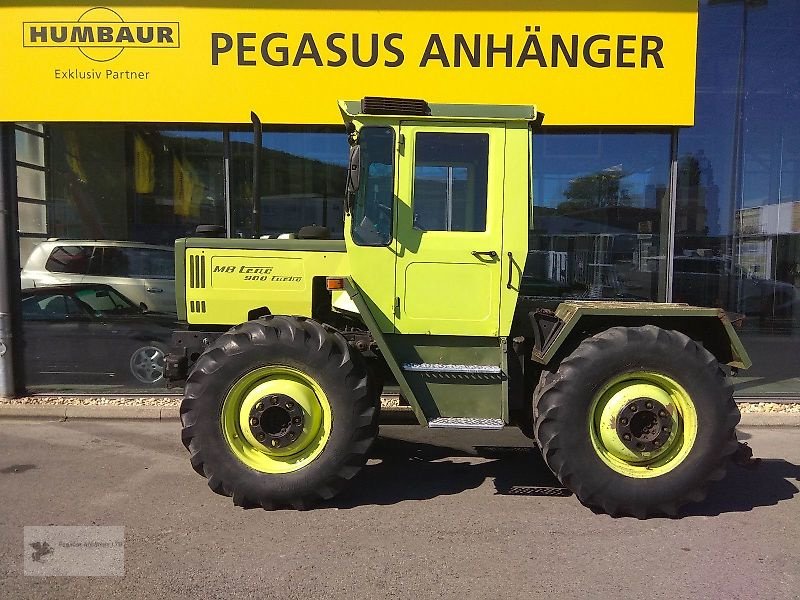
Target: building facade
637, 193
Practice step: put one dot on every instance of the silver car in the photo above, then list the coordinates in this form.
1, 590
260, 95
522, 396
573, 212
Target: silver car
142, 272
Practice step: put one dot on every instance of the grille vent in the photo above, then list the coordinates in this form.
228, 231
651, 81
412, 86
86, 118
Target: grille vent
197, 306
197, 271
376, 105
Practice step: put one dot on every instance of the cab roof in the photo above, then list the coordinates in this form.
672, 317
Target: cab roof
412, 108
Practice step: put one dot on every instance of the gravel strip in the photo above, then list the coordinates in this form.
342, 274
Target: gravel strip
769, 407
386, 401
95, 401
160, 401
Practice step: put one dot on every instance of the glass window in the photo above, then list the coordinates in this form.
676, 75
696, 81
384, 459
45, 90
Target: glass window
372, 209
146, 263
451, 172
50, 307
105, 300
139, 183
302, 176
737, 242
69, 259
599, 218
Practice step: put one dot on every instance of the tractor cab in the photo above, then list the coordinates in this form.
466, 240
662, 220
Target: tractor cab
437, 213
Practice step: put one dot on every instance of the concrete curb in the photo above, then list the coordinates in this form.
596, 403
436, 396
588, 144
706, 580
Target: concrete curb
170, 413
770, 419
62, 412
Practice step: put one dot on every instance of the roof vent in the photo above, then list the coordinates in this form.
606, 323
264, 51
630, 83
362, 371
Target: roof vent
376, 105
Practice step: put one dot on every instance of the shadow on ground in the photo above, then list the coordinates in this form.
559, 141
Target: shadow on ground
411, 470
771, 481
420, 471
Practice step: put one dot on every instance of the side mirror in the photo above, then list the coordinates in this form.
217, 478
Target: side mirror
353, 176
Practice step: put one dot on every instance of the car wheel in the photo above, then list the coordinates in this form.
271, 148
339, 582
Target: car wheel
147, 363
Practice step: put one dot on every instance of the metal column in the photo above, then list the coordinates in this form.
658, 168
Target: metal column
9, 264
671, 228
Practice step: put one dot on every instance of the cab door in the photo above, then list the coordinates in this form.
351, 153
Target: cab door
449, 229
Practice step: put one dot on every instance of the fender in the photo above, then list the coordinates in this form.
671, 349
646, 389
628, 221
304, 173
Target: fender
710, 326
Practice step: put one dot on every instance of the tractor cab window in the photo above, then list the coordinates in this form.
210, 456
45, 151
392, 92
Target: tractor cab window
451, 172
372, 209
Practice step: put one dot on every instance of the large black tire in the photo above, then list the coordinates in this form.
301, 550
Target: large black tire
562, 405
301, 344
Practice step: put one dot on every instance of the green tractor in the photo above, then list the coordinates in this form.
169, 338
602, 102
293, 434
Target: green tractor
290, 342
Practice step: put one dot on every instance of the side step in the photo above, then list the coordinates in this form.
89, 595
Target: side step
459, 369
465, 423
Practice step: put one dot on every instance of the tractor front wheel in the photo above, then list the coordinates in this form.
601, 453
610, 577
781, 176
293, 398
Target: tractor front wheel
279, 412
636, 421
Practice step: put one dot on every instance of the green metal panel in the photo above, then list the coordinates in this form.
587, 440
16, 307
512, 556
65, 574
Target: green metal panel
737, 348
434, 395
516, 190
373, 267
180, 278
476, 112
448, 394
236, 244
442, 286
405, 390
223, 280
571, 312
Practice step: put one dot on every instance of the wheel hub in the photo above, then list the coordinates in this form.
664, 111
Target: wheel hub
276, 420
644, 425
147, 364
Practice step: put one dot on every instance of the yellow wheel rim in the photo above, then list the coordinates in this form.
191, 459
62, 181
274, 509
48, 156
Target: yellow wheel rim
303, 419
642, 424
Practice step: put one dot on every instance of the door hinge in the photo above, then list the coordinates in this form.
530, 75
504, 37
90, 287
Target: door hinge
401, 141
397, 306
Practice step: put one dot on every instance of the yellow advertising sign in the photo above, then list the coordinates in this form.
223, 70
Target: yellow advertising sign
622, 62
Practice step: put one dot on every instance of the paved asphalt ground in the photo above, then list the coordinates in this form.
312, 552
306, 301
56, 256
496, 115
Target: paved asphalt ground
434, 515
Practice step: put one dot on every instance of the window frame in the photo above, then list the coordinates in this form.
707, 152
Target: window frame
361, 192
471, 180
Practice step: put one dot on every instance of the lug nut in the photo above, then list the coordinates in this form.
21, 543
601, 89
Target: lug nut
260, 437
623, 421
656, 443
253, 421
649, 405
634, 408
290, 405
273, 400
274, 443
626, 437
259, 406
296, 420
662, 413
665, 429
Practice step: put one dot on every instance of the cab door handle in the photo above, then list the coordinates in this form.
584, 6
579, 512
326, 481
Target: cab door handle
154, 290
488, 253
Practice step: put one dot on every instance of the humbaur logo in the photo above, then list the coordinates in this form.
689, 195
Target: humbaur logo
100, 34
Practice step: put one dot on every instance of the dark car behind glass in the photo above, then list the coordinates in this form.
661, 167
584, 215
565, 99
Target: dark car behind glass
90, 334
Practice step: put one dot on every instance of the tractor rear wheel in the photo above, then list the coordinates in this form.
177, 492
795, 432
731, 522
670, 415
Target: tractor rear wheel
279, 412
636, 421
